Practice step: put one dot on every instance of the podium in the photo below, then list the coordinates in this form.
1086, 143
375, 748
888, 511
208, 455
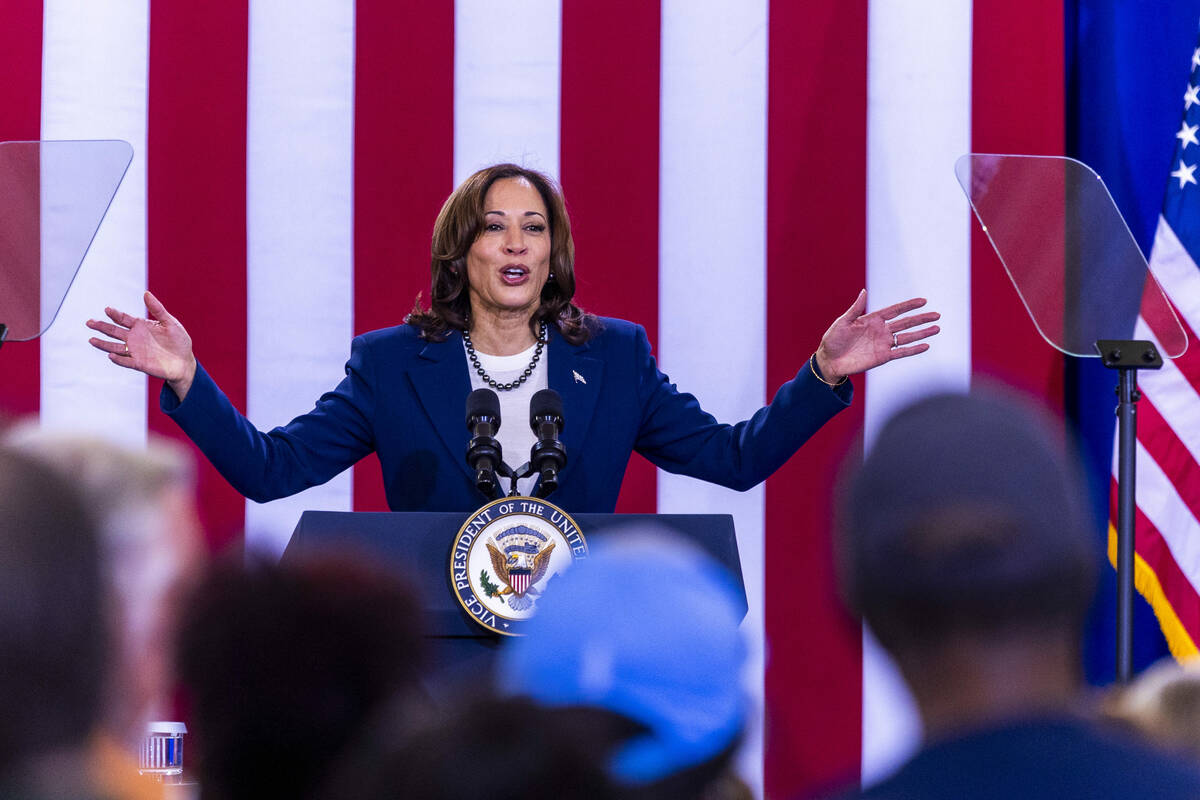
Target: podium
416, 546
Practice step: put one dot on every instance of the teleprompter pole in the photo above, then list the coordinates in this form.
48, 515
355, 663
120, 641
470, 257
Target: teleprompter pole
1126, 502
1127, 357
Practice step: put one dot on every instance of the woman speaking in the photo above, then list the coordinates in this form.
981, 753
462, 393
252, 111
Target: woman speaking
501, 316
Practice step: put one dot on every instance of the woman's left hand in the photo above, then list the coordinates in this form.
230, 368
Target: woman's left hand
857, 341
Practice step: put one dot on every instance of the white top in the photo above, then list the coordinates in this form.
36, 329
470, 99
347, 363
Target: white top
515, 436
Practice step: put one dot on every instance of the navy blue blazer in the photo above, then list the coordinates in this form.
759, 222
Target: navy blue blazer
404, 398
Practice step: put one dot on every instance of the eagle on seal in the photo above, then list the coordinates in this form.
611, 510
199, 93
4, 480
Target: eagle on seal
510, 571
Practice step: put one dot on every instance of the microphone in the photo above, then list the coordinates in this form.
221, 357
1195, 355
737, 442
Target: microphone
548, 455
483, 451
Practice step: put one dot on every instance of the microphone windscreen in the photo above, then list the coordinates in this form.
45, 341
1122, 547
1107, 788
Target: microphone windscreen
483, 403
545, 403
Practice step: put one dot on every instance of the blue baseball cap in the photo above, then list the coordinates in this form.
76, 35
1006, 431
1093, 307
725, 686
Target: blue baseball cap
647, 627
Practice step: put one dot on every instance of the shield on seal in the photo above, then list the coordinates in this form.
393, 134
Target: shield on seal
518, 579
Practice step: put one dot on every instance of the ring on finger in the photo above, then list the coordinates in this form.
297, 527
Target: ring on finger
895, 342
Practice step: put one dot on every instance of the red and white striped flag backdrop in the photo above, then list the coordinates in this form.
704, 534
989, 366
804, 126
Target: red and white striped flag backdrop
735, 175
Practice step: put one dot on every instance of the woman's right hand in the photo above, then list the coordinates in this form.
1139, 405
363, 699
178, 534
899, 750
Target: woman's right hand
158, 346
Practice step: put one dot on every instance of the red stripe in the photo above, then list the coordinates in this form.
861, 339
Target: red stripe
20, 119
403, 168
816, 174
1153, 549
196, 207
609, 170
1017, 107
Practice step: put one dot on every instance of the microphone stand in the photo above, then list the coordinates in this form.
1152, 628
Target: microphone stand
487, 479
524, 471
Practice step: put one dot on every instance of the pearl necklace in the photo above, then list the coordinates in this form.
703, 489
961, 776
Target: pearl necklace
488, 379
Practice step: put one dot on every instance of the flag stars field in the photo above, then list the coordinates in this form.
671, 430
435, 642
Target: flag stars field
1184, 174
1187, 134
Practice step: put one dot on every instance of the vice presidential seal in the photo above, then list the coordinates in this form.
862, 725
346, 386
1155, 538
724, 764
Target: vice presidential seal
504, 556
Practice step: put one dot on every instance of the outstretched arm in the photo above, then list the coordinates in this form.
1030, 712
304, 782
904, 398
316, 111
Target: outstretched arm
677, 435
263, 466
858, 341
157, 345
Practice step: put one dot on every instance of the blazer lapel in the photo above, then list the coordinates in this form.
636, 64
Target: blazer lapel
440, 379
577, 377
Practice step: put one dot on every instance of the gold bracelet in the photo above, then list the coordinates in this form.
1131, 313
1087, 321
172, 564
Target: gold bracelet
812, 365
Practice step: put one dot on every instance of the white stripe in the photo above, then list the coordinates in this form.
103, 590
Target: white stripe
1160, 502
299, 215
506, 83
1172, 395
94, 66
1177, 273
891, 722
918, 225
713, 173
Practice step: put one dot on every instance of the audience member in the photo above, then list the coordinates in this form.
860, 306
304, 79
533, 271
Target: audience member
965, 545
1163, 704
284, 664
647, 628
485, 749
151, 542
52, 634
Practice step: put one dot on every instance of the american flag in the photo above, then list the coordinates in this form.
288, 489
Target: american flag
1167, 539
735, 175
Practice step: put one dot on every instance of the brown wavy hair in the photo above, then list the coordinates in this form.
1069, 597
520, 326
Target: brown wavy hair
459, 224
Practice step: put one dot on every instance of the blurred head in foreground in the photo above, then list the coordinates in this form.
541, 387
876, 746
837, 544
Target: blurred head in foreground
1163, 704
647, 627
485, 749
150, 542
284, 663
964, 543
52, 631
